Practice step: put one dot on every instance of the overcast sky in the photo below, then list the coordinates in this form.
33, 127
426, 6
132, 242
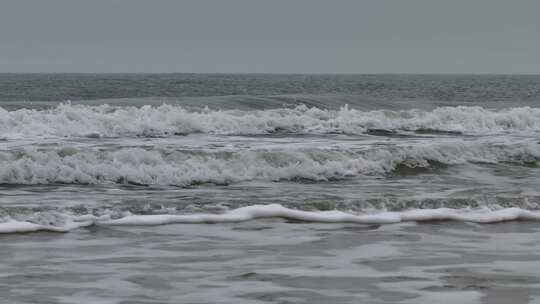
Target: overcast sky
270, 36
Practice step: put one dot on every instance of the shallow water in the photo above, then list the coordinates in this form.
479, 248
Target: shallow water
269, 188
274, 261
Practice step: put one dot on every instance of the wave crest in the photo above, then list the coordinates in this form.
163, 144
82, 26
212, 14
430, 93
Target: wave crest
182, 168
481, 215
167, 120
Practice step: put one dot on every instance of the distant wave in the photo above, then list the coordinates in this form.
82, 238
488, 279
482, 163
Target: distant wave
166, 120
182, 168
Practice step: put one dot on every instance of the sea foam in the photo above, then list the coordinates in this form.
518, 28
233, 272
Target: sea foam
68, 120
484, 216
14, 226
182, 168
254, 212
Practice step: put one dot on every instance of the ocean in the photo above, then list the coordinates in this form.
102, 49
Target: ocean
217, 188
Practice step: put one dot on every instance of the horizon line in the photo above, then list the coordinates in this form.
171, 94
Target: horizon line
275, 73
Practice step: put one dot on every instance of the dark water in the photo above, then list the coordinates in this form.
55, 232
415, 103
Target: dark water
259, 90
320, 188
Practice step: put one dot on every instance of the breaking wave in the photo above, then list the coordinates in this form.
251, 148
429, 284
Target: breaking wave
167, 120
67, 222
188, 167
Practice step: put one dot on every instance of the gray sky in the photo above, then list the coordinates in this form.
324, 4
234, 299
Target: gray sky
270, 36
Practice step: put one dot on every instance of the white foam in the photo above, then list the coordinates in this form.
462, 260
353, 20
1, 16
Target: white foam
254, 212
107, 121
13, 226
172, 167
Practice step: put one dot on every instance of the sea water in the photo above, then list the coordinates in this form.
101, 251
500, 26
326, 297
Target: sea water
181, 188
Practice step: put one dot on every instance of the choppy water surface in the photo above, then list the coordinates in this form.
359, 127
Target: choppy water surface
320, 188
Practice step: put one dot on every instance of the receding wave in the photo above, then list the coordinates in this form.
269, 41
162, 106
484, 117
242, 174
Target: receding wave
182, 168
167, 120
